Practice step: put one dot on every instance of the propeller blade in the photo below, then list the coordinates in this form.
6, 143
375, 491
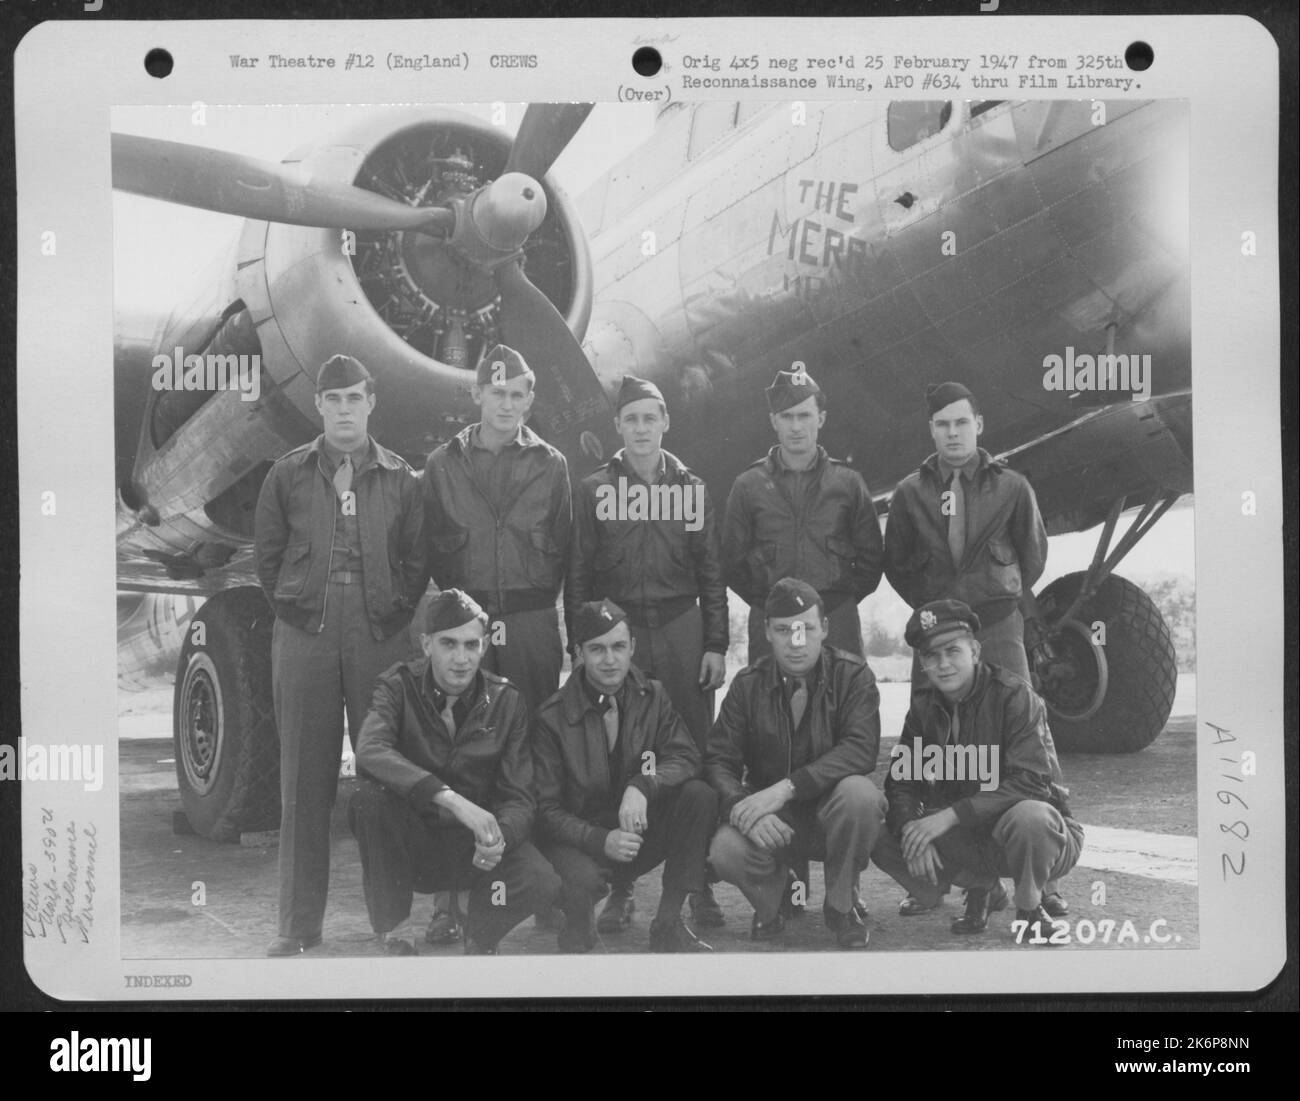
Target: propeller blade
228, 183
544, 132
571, 404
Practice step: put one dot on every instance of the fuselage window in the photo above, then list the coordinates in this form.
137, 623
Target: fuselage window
911, 121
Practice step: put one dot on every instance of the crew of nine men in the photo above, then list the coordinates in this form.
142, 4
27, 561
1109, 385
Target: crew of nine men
485, 783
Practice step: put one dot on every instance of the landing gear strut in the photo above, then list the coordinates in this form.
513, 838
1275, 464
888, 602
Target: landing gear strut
1109, 684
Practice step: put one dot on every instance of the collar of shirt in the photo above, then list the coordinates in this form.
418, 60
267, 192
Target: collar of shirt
968, 469
464, 702
779, 678
360, 458
625, 467
476, 442
599, 700
811, 679
778, 464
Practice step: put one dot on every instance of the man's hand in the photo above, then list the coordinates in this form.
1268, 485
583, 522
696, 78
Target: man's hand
633, 812
622, 846
488, 857
753, 807
927, 866
921, 832
481, 823
771, 833
713, 671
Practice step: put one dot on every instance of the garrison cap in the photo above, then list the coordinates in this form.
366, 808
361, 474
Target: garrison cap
939, 617
788, 389
596, 618
636, 389
450, 609
940, 394
500, 364
790, 596
339, 372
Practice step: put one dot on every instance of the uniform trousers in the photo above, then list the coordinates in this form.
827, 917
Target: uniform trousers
531, 655
1032, 842
841, 829
403, 851
681, 819
672, 653
317, 678
845, 630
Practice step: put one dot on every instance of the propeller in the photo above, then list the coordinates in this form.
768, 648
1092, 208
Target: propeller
486, 230
229, 183
571, 403
570, 400
544, 132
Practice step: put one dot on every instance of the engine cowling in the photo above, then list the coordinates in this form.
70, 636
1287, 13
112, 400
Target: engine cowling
415, 315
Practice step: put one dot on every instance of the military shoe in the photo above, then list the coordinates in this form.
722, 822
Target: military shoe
1039, 927
671, 935
766, 930
616, 915
291, 946
1055, 904
443, 928
980, 902
849, 929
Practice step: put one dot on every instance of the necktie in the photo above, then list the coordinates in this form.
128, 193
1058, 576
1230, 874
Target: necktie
957, 522
798, 701
611, 722
343, 476
449, 717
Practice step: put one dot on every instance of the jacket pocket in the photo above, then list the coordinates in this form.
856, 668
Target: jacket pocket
294, 568
1004, 567
542, 560
844, 553
758, 563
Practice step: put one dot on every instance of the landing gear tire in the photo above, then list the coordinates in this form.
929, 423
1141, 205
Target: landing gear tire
1114, 697
223, 722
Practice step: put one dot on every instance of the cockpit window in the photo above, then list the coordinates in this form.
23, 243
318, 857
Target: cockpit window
911, 121
978, 108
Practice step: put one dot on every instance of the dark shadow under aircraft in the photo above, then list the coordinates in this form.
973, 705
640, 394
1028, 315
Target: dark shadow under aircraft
884, 245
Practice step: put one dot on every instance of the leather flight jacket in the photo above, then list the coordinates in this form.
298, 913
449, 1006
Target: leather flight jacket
576, 795
405, 745
294, 537
1006, 542
512, 560
833, 542
1001, 710
751, 744
654, 569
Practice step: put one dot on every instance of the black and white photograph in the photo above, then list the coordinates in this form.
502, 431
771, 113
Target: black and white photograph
815, 322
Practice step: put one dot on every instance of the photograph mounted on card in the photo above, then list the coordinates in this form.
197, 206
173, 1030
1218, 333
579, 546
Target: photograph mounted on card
728, 497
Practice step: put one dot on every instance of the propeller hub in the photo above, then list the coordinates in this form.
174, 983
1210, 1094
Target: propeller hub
507, 211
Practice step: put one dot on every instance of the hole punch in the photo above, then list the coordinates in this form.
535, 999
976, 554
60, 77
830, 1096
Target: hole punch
646, 61
158, 63
1139, 57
